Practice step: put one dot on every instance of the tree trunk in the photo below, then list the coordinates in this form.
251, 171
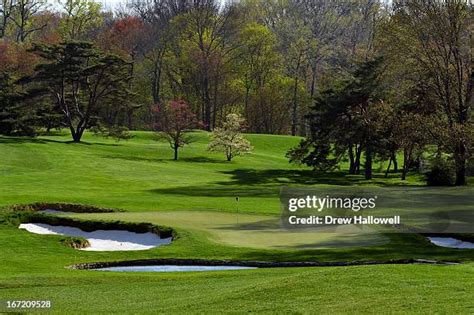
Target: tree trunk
155, 88
214, 100
156, 80
368, 163
357, 161
368, 154
130, 118
76, 133
175, 153
460, 161
406, 162
395, 162
314, 69
246, 105
460, 155
76, 136
352, 166
294, 113
388, 168
207, 104
404, 173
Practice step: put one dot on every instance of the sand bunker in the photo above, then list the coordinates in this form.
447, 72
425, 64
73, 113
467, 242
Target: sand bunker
451, 242
173, 268
102, 240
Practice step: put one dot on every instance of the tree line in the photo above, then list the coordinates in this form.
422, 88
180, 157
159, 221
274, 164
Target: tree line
360, 80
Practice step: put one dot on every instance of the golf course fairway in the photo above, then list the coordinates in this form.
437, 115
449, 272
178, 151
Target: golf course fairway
196, 197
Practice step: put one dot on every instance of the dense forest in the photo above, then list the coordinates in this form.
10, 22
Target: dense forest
359, 80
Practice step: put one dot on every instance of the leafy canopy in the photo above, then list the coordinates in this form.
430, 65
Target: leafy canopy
229, 139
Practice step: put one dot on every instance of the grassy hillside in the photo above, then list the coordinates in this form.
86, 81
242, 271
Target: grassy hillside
140, 176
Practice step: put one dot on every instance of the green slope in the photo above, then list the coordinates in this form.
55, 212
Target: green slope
140, 177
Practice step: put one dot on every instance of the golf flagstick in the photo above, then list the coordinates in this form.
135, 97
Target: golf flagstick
237, 200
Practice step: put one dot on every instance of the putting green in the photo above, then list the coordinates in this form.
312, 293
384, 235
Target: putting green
246, 230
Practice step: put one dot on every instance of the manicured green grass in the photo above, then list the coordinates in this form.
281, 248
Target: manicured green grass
32, 267
246, 230
359, 290
140, 176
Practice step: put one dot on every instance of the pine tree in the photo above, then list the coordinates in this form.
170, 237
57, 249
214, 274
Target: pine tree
343, 123
81, 80
15, 117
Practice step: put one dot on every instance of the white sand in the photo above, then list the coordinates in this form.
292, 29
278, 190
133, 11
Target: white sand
102, 240
451, 242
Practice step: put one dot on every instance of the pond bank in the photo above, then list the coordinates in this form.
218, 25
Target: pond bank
249, 263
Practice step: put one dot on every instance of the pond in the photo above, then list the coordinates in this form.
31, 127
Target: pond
102, 240
451, 242
173, 268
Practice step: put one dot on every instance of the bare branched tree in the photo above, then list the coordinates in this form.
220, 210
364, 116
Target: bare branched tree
23, 17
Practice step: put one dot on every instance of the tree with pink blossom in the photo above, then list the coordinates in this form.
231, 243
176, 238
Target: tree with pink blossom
174, 123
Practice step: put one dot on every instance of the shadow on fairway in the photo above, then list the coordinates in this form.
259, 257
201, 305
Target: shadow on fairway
24, 140
400, 246
203, 159
245, 182
202, 191
306, 177
136, 158
93, 143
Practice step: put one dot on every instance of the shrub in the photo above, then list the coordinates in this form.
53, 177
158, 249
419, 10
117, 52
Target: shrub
75, 242
66, 207
470, 167
440, 174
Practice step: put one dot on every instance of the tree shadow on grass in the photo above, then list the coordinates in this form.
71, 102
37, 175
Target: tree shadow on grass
211, 191
203, 159
134, 158
137, 158
23, 140
93, 143
267, 183
401, 246
252, 177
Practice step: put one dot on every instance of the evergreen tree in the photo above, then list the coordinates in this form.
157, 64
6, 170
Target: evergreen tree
15, 117
344, 121
81, 80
